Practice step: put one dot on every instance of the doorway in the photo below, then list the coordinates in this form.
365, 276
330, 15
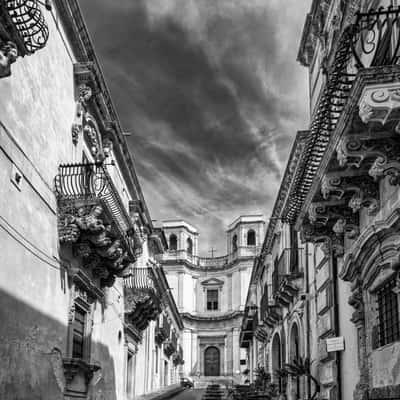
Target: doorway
212, 361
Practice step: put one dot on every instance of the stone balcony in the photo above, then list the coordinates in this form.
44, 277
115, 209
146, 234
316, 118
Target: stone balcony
93, 220
163, 329
286, 278
142, 297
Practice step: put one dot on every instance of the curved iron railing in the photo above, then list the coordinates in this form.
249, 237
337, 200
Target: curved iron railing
373, 40
29, 22
140, 279
92, 181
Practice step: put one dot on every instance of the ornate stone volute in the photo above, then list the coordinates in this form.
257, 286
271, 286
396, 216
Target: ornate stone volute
357, 302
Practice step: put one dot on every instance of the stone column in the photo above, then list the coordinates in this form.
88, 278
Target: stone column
180, 290
235, 350
195, 367
229, 292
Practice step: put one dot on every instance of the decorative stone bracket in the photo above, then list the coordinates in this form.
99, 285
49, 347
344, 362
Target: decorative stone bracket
77, 366
93, 241
142, 298
381, 104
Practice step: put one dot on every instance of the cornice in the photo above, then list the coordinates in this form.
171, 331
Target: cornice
284, 190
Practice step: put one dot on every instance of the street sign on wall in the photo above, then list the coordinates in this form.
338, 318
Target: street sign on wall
335, 344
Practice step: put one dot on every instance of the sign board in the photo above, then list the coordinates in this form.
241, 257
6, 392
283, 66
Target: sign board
335, 344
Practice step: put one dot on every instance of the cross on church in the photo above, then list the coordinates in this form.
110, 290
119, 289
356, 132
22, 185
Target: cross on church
212, 251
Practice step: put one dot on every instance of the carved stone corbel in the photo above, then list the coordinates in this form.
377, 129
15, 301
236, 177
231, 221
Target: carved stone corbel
347, 226
356, 301
380, 104
331, 186
382, 167
8, 55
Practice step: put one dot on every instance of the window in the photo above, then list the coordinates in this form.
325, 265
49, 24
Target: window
388, 313
251, 238
234, 243
129, 373
212, 299
242, 362
189, 246
173, 242
78, 332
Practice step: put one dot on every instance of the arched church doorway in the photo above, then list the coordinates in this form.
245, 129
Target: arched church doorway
212, 361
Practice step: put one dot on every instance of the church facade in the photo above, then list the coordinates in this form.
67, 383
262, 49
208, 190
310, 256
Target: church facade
210, 293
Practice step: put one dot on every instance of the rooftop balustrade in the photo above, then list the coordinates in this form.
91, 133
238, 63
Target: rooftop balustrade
210, 262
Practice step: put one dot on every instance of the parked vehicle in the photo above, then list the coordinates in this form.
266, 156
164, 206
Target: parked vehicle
187, 382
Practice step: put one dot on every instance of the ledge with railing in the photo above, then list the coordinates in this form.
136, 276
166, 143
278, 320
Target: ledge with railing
163, 329
286, 271
210, 263
142, 297
92, 217
171, 344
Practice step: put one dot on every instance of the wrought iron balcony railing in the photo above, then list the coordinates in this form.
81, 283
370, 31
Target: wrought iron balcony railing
142, 298
91, 181
24, 24
373, 40
140, 279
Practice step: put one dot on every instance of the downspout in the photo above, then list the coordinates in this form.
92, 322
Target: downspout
336, 319
308, 330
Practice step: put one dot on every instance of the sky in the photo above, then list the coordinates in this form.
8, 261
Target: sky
212, 95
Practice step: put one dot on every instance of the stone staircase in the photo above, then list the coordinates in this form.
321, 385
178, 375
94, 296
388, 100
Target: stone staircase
214, 391
204, 381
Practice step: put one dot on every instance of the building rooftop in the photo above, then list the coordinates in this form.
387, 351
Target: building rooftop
174, 223
247, 219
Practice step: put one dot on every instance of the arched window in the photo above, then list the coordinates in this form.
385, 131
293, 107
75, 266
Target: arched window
173, 242
234, 243
189, 246
251, 238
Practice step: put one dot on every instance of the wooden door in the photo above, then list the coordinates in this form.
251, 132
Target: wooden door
211, 362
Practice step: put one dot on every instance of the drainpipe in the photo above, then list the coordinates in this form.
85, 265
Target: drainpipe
336, 319
308, 330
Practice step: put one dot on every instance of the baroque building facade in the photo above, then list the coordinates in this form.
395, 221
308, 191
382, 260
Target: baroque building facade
210, 293
324, 318
86, 309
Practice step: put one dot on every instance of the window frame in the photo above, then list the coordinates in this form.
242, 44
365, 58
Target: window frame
388, 318
253, 233
212, 303
80, 301
171, 248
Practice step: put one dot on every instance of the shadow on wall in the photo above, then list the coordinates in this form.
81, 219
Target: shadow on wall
32, 346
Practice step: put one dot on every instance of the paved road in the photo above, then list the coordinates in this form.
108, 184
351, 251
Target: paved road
189, 394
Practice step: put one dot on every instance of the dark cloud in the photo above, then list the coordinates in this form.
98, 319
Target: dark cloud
212, 95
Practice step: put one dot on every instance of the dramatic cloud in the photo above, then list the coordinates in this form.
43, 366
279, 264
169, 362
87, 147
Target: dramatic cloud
213, 96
